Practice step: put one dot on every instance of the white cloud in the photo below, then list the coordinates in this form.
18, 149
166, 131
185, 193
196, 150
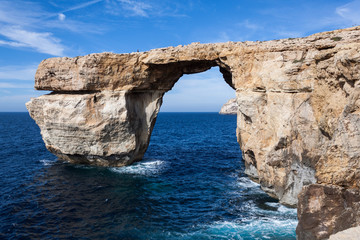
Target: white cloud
41, 42
12, 44
18, 72
20, 13
350, 12
128, 7
16, 20
142, 8
22, 24
136, 7
61, 16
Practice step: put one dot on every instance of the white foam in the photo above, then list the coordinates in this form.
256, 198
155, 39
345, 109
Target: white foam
47, 162
146, 167
245, 182
267, 228
284, 209
273, 204
281, 208
217, 230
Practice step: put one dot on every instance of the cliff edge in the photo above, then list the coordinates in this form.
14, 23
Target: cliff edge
298, 119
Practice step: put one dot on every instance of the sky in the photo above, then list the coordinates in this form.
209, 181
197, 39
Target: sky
31, 31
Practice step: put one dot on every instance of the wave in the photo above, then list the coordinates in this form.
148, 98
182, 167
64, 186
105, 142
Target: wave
282, 209
245, 182
145, 167
270, 228
217, 230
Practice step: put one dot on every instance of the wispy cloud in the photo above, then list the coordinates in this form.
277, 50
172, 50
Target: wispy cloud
136, 7
41, 42
142, 8
25, 24
82, 5
350, 12
17, 23
20, 13
18, 72
128, 8
297, 23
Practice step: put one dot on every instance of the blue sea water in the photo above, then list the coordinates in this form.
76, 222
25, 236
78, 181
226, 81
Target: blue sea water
190, 185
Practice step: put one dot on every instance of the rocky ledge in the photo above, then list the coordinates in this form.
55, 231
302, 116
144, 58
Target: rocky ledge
298, 114
229, 108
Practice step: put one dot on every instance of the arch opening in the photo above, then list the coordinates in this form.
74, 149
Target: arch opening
201, 92
166, 75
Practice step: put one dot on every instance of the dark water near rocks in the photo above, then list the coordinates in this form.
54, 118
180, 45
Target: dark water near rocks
190, 185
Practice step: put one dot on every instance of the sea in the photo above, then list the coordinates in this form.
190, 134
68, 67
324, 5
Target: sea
189, 185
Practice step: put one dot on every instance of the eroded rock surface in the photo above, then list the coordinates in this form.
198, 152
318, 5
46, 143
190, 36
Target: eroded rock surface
107, 128
327, 209
298, 107
230, 107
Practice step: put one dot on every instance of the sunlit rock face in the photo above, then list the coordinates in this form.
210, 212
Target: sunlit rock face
107, 128
230, 107
298, 107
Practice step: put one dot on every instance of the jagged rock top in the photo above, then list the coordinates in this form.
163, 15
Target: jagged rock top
145, 70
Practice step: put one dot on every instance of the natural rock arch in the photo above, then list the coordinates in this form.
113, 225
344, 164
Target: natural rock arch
104, 119
298, 120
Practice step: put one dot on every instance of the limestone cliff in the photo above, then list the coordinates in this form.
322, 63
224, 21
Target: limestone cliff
230, 107
298, 109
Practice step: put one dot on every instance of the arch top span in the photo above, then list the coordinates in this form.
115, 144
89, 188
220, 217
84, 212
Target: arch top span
157, 69
298, 108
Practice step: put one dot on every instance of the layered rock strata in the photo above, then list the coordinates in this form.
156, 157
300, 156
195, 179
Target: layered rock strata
229, 108
105, 128
298, 109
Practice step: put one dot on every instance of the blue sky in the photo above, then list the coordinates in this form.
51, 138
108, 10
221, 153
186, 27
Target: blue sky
34, 30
